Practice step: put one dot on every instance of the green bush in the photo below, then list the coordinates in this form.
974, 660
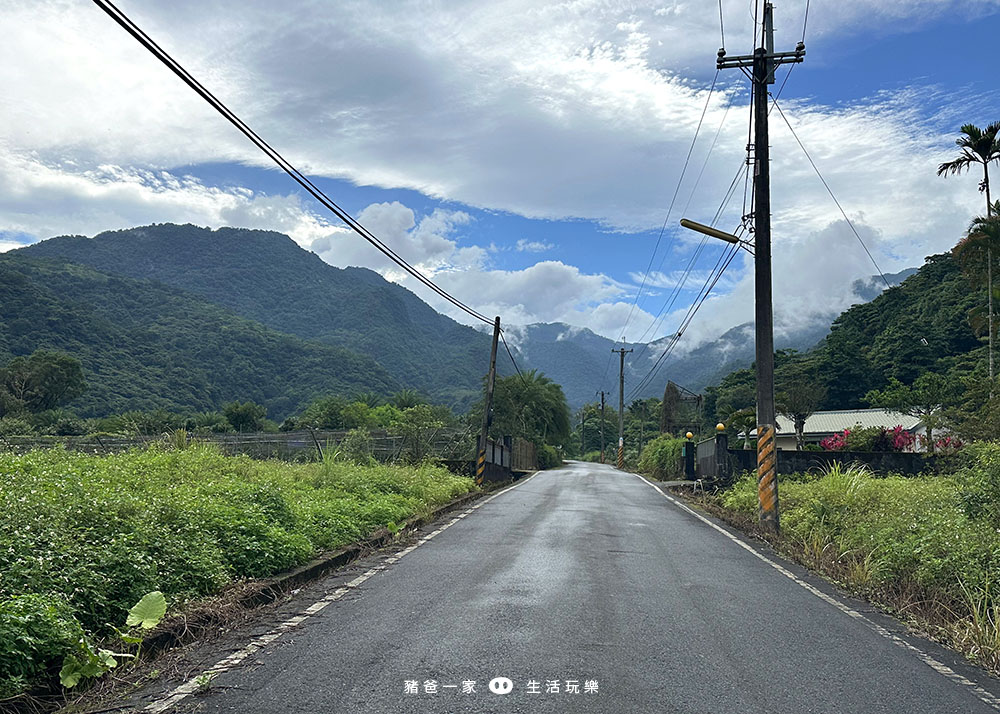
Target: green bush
592, 456
919, 535
35, 633
980, 482
358, 446
548, 457
99, 532
662, 458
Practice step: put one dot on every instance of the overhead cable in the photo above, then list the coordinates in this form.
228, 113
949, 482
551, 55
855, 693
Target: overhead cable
129, 26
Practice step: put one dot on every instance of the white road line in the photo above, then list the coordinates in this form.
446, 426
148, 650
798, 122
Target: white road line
190, 686
939, 667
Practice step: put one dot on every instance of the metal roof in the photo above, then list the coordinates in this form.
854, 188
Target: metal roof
838, 420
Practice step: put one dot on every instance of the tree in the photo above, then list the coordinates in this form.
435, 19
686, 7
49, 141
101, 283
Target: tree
530, 406
929, 394
417, 426
979, 146
324, 413
406, 398
44, 380
245, 417
977, 253
798, 400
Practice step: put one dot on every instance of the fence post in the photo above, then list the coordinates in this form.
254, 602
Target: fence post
689, 456
722, 465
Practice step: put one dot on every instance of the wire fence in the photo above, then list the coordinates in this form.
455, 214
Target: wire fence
446, 444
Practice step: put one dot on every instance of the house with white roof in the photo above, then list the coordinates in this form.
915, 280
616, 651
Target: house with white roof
821, 425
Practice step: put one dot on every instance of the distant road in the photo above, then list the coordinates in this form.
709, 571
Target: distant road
585, 574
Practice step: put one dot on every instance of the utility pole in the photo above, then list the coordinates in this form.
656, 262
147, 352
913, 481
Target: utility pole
602, 427
763, 63
621, 406
491, 379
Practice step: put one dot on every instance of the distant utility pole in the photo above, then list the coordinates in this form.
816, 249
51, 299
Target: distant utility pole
491, 379
621, 406
602, 427
763, 62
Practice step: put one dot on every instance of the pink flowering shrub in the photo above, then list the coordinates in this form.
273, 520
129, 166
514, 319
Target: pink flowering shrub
837, 442
944, 444
872, 438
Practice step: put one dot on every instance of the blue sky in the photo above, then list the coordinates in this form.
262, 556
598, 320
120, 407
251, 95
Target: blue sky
522, 153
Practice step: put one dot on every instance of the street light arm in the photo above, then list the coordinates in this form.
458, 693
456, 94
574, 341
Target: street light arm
709, 231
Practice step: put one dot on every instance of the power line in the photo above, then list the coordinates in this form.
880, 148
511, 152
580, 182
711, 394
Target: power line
129, 26
830, 191
805, 21
670, 209
513, 361
703, 294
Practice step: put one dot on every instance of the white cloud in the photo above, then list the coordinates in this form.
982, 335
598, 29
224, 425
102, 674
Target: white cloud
533, 246
548, 110
543, 109
107, 197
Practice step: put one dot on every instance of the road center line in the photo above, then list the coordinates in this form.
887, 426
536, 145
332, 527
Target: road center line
939, 667
188, 688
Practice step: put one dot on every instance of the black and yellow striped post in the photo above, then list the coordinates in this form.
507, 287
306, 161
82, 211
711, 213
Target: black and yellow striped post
767, 477
481, 463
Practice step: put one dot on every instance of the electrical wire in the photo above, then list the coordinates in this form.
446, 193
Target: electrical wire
129, 26
805, 21
830, 191
710, 284
670, 209
513, 361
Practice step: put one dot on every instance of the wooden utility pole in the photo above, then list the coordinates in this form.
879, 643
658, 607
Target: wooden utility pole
621, 406
763, 63
602, 427
491, 379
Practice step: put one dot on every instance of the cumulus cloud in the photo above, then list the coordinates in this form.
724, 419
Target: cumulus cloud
548, 110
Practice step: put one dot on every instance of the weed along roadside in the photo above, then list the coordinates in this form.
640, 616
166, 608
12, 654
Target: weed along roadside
925, 549
95, 544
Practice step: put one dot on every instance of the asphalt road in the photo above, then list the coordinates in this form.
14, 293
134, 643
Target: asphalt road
588, 574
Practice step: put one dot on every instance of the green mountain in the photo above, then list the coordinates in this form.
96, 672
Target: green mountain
145, 345
266, 277
917, 327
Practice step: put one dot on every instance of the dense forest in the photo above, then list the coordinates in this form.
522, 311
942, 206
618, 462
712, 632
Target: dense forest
266, 277
144, 345
923, 329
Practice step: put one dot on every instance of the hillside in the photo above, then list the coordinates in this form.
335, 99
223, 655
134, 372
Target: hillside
920, 326
144, 345
266, 277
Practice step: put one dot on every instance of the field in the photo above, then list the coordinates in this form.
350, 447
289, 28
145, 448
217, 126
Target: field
83, 538
926, 548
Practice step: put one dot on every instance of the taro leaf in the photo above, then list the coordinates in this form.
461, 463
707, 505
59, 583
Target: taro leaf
71, 673
148, 612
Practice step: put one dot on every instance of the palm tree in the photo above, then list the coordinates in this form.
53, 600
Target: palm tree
979, 146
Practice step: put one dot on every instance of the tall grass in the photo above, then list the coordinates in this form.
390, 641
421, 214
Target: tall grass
83, 537
927, 547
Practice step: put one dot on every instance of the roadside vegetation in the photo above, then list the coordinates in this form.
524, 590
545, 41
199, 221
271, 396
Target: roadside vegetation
927, 548
85, 537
